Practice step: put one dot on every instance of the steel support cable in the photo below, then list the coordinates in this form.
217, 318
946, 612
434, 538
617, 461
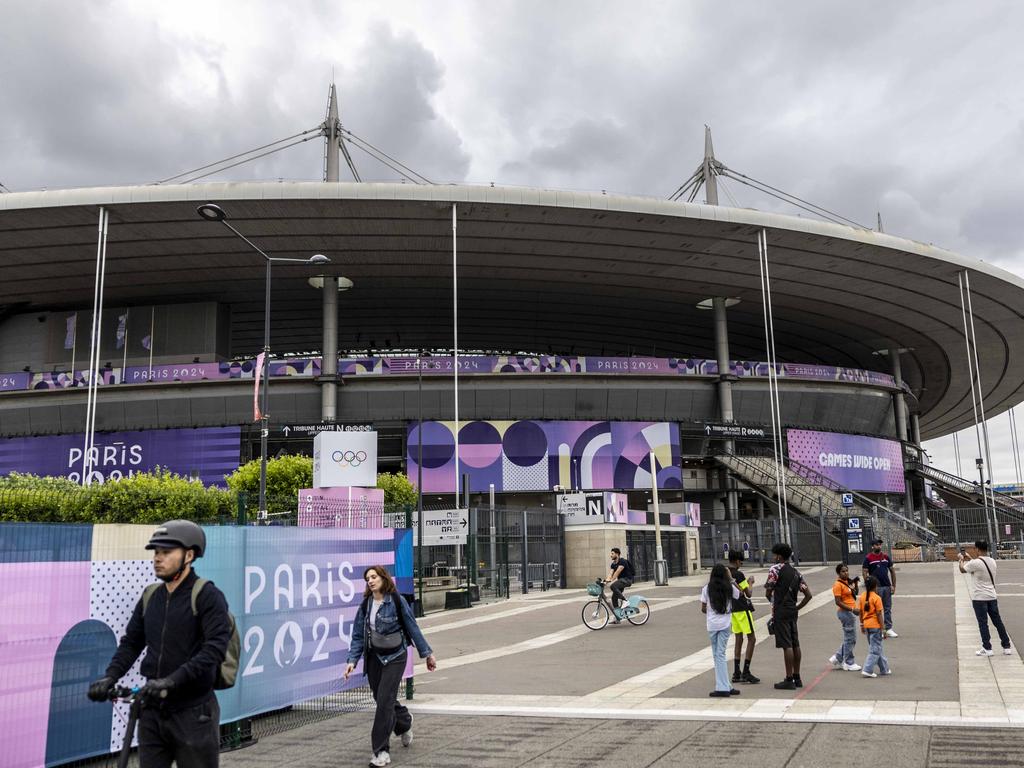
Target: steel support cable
385, 163
233, 157
787, 197
686, 184
248, 159
380, 154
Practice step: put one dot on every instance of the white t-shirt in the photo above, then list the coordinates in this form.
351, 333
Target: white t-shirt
374, 607
982, 587
716, 620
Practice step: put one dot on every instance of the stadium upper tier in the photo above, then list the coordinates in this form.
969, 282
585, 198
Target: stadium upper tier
570, 273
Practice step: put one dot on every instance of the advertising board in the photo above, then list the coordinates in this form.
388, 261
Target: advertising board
856, 462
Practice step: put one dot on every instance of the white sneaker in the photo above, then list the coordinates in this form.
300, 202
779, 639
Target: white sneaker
381, 759
407, 736
984, 652
891, 633
869, 674
851, 667
834, 661
1007, 652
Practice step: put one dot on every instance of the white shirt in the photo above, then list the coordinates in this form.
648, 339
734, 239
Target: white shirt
982, 587
718, 621
374, 607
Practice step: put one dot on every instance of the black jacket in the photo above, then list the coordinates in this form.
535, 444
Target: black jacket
188, 649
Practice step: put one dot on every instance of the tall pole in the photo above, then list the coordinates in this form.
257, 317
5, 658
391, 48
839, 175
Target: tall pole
264, 416
419, 477
455, 342
329, 361
981, 408
773, 385
725, 407
660, 566
971, 370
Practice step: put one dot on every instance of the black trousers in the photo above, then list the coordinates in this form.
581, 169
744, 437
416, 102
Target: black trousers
190, 738
385, 680
616, 587
983, 611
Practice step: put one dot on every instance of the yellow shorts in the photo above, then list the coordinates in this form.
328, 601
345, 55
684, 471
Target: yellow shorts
742, 623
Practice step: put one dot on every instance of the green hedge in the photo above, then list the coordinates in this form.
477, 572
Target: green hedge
145, 497
153, 497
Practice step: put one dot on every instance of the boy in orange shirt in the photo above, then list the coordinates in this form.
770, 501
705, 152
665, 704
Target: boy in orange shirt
871, 613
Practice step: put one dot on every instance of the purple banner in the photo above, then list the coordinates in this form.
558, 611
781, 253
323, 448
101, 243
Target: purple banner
538, 455
14, 381
442, 366
855, 462
207, 454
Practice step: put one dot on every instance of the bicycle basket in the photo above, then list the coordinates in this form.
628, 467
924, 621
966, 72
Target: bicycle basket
594, 589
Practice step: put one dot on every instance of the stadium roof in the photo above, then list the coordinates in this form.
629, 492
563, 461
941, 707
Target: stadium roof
539, 270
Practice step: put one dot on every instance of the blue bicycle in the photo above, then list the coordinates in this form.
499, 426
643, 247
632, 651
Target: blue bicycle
597, 613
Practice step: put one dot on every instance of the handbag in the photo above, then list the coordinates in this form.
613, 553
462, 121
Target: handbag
391, 641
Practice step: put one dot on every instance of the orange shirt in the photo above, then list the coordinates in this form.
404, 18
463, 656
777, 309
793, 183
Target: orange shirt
842, 590
871, 614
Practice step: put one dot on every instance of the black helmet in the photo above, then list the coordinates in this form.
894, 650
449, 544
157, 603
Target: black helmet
179, 533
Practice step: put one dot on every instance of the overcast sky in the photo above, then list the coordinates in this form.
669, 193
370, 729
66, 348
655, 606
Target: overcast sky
910, 109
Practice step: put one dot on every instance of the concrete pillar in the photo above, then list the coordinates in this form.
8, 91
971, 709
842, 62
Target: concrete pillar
725, 406
329, 364
899, 400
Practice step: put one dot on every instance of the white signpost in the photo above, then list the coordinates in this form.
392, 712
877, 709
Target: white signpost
442, 526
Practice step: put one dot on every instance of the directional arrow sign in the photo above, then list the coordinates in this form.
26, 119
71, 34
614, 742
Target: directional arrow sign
443, 526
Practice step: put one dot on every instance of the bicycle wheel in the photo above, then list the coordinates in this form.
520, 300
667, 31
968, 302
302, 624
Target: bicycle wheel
595, 614
644, 613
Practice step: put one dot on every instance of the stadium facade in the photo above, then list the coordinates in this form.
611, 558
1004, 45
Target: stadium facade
592, 329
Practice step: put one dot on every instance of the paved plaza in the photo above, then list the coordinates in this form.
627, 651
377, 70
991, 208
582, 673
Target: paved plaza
523, 682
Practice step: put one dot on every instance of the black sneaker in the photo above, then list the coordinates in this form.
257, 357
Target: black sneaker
748, 677
737, 677
720, 694
798, 683
785, 685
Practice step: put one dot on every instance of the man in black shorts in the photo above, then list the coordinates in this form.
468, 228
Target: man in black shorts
783, 585
620, 574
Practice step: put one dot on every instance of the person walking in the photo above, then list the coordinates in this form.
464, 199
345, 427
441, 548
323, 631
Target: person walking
742, 620
782, 586
872, 615
716, 600
879, 565
847, 613
185, 636
383, 629
984, 598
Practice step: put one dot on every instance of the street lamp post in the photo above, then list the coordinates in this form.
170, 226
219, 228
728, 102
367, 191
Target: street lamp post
212, 212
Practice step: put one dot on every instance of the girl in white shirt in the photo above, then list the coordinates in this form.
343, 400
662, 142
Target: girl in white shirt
716, 601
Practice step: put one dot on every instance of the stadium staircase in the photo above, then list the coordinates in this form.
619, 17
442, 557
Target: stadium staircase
806, 489
1007, 506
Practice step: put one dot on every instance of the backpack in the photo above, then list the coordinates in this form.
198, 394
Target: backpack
227, 672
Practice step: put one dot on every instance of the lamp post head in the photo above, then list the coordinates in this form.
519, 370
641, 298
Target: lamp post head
318, 259
211, 212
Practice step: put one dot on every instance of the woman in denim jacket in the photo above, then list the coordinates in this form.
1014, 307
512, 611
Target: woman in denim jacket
381, 639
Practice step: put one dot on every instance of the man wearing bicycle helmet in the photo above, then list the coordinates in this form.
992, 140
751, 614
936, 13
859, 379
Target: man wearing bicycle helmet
620, 576
184, 648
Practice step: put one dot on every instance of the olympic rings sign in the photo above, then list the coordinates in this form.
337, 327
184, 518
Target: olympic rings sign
348, 458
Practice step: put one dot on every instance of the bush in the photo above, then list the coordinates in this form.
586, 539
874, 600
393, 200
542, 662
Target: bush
399, 493
145, 497
286, 476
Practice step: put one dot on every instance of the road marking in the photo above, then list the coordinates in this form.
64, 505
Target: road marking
542, 641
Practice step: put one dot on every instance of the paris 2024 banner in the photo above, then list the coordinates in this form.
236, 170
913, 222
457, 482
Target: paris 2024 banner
69, 591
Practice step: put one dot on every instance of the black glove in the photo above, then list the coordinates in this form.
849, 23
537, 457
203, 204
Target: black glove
100, 690
157, 689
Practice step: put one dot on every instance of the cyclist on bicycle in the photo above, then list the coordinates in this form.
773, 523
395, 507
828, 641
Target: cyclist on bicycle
183, 652
620, 576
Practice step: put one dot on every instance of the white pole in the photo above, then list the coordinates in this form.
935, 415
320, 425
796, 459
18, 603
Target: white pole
981, 407
94, 376
97, 298
974, 396
773, 386
455, 351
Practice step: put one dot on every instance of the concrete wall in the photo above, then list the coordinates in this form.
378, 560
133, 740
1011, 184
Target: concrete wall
586, 551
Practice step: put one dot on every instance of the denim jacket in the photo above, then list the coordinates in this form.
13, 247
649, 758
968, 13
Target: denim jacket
386, 623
